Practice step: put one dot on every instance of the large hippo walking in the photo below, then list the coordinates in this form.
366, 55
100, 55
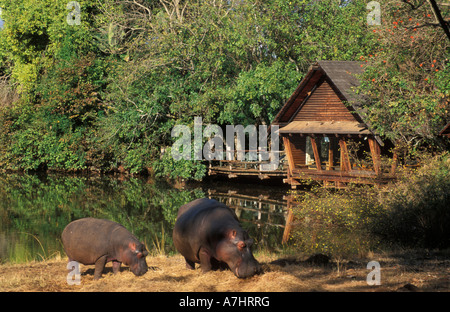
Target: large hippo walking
209, 233
97, 241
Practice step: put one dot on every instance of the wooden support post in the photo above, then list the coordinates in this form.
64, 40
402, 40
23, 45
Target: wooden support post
329, 165
394, 163
259, 212
345, 160
289, 221
287, 148
316, 153
375, 151
330, 154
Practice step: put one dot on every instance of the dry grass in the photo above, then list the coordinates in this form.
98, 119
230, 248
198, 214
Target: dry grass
168, 274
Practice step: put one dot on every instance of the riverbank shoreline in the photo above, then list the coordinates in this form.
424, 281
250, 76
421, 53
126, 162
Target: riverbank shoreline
415, 272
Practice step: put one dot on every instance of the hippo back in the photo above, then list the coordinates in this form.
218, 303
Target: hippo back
85, 240
198, 205
208, 232
195, 225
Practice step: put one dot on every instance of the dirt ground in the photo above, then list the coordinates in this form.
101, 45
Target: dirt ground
413, 272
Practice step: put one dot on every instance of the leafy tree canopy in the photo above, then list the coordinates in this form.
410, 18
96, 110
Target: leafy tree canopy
104, 93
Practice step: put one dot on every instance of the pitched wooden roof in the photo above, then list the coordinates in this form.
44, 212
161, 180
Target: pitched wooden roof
333, 83
342, 76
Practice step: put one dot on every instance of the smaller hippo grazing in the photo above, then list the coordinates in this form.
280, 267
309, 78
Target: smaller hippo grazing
97, 241
209, 233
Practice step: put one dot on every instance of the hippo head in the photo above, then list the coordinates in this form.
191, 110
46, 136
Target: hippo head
235, 251
134, 257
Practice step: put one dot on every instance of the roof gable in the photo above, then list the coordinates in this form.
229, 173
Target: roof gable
341, 76
344, 75
323, 104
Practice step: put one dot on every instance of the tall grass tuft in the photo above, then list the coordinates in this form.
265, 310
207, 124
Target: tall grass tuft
159, 244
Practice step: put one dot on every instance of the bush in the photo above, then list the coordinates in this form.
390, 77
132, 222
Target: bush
336, 223
52, 132
417, 208
412, 212
185, 169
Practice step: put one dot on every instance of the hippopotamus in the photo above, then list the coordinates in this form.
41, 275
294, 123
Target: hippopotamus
98, 241
208, 232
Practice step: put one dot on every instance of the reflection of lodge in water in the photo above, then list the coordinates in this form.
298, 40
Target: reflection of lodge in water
259, 210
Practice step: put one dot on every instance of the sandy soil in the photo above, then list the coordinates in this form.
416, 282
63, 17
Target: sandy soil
168, 274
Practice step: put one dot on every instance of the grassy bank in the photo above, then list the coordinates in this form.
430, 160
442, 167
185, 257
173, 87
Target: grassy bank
420, 271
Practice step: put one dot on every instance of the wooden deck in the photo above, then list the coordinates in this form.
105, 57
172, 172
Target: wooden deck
236, 168
298, 176
337, 174
336, 177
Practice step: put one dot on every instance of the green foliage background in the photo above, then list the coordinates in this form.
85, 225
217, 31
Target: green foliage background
105, 94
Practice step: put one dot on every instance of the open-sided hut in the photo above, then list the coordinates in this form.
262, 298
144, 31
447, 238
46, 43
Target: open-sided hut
324, 136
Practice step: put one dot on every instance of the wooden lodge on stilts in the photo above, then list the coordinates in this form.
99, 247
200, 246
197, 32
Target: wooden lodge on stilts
324, 135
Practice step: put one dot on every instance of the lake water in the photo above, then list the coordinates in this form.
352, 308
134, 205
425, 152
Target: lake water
34, 209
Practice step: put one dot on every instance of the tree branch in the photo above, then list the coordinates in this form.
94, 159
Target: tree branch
439, 18
412, 5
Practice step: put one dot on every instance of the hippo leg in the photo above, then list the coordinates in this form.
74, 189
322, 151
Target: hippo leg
205, 260
218, 265
99, 266
116, 266
190, 264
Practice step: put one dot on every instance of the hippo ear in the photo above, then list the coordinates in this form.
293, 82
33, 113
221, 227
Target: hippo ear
132, 246
232, 234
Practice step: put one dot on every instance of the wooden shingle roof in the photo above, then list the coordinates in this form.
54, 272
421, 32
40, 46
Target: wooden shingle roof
343, 77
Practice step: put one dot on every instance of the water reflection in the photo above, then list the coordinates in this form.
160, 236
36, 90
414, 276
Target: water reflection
262, 216
34, 209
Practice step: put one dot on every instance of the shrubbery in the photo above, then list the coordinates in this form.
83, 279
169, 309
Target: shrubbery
412, 212
336, 222
417, 208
